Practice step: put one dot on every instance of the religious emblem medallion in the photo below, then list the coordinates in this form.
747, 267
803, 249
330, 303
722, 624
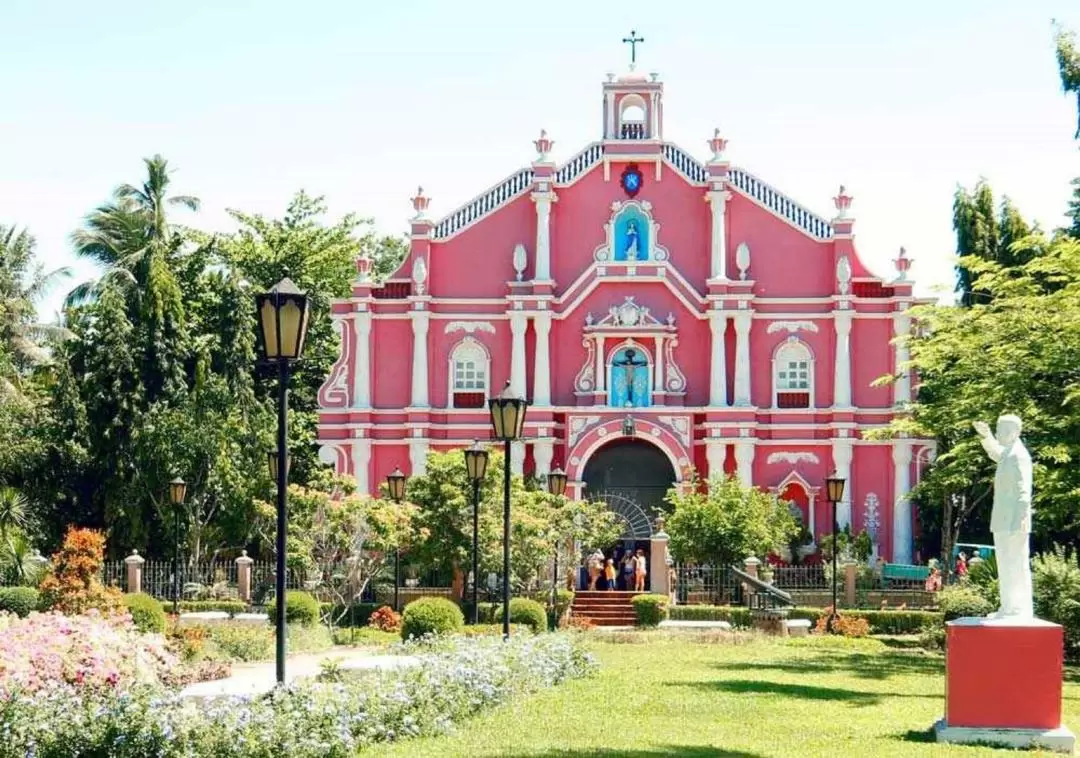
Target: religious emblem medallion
631, 180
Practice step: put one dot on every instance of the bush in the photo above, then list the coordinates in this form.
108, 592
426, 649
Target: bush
231, 607
881, 622
146, 612
961, 600
386, 619
73, 584
845, 625
357, 614
431, 615
528, 613
300, 608
1056, 588
243, 642
733, 614
650, 610
22, 601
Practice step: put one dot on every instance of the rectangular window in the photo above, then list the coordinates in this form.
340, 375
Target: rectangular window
795, 375
469, 377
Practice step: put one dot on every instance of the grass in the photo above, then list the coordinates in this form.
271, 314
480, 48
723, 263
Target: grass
724, 695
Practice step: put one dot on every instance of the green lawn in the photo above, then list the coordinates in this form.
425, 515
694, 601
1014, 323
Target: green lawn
688, 697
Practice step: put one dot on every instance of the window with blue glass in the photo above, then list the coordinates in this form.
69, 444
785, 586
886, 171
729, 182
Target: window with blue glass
631, 236
630, 386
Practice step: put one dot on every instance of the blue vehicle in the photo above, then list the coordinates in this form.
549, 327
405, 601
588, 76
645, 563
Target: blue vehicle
971, 550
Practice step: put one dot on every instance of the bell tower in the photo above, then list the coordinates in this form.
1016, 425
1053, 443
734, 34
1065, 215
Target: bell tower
633, 102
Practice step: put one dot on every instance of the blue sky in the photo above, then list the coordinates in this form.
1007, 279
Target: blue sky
251, 101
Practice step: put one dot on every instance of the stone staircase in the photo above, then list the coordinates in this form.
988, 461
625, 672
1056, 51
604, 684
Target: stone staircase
604, 608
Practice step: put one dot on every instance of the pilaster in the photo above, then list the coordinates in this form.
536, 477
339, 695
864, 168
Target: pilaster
418, 450
361, 463
518, 324
718, 360
715, 455
517, 458
743, 322
842, 450
543, 453
902, 386
361, 368
717, 199
744, 461
420, 322
842, 373
901, 530
542, 359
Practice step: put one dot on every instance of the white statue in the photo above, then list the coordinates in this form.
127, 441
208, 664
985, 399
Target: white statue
1010, 520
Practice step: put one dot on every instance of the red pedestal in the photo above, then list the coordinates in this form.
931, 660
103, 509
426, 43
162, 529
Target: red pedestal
1003, 674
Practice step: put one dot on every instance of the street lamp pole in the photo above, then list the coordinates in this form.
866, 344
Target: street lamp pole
476, 460
395, 485
556, 482
177, 491
283, 318
508, 422
834, 486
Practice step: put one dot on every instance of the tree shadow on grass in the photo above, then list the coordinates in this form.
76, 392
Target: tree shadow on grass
802, 691
880, 666
915, 735
666, 751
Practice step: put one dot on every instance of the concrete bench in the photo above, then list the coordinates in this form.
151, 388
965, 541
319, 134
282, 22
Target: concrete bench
202, 618
797, 627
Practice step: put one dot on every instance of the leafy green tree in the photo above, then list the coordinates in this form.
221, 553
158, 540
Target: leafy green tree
1068, 60
1018, 353
721, 522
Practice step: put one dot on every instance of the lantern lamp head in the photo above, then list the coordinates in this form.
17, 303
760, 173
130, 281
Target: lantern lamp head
395, 484
283, 320
507, 415
476, 461
556, 482
834, 488
177, 491
272, 461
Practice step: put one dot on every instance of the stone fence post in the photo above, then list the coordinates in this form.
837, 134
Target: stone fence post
750, 566
658, 561
134, 563
243, 576
849, 583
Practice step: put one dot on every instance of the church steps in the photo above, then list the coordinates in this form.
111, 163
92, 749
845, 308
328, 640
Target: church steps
604, 608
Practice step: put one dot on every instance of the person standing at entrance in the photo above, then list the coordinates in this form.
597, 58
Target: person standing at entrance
609, 575
595, 564
640, 569
628, 571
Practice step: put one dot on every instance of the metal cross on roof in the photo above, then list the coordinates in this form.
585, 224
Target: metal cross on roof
633, 41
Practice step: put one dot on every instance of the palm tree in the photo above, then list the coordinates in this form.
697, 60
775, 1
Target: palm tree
24, 340
125, 235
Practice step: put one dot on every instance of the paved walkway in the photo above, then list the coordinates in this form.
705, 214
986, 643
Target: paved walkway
254, 679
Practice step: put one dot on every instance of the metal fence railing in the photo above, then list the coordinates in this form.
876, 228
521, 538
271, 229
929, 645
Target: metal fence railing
706, 585
799, 577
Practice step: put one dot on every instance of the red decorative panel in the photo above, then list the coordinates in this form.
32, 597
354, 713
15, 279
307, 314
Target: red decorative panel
871, 289
468, 399
392, 290
792, 399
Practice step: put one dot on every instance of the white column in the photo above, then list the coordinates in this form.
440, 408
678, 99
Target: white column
744, 461
518, 324
654, 117
542, 360
743, 320
902, 387
718, 361
420, 321
543, 452
901, 456
543, 235
609, 129
718, 248
658, 369
361, 462
362, 360
517, 458
812, 525
418, 450
842, 372
841, 454
601, 365
715, 453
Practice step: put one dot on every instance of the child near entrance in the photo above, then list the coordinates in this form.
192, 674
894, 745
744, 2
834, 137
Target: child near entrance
640, 569
609, 575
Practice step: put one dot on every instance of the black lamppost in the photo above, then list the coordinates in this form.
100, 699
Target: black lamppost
283, 319
177, 491
834, 490
556, 483
476, 461
395, 485
507, 422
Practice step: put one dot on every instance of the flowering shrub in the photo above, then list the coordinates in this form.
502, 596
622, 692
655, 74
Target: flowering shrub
72, 584
845, 626
386, 619
87, 651
456, 678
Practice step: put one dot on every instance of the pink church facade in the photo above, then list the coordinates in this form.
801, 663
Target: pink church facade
648, 304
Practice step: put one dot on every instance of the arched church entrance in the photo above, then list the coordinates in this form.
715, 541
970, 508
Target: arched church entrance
632, 477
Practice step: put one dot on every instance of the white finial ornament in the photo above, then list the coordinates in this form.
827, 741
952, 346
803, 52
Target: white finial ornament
543, 146
521, 260
742, 259
902, 263
843, 274
363, 268
717, 144
419, 275
842, 201
420, 203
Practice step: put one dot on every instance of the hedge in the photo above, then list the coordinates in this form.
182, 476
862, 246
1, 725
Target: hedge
881, 622
146, 613
358, 614
231, 607
300, 608
526, 611
650, 610
22, 601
